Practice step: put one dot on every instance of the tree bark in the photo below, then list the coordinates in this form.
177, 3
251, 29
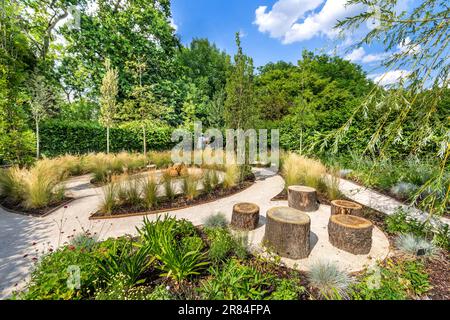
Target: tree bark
245, 216
303, 198
350, 233
287, 232
346, 207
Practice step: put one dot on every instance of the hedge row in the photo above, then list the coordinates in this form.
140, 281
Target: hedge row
61, 137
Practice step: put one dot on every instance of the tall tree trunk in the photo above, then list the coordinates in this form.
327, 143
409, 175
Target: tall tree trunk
37, 140
145, 140
107, 139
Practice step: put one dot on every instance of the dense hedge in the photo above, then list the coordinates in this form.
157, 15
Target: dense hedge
61, 137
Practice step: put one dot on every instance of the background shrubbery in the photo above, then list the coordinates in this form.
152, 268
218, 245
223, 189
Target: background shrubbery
61, 137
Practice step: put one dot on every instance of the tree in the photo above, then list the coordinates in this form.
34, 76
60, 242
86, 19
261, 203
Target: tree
240, 111
418, 40
41, 98
205, 65
109, 90
121, 31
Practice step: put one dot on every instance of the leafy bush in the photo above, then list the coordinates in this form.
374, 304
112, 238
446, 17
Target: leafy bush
394, 281
160, 293
415, 246
118, 288
84, 241
287, 289
222, 244
61, 137
127, 258
235, 281
331, 282
50, 277
177, 259
217, 220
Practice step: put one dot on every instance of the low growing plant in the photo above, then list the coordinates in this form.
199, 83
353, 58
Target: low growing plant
217, 220
331, 282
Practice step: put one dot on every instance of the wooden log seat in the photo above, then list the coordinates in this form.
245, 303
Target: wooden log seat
350, 233
303, 198
245, 216
287, 232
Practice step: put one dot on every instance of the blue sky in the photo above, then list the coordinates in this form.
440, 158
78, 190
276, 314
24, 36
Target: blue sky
277, 29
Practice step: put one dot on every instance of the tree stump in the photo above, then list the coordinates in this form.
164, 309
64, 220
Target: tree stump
287, 232
245, 216
350, 233
346, 207
303, 198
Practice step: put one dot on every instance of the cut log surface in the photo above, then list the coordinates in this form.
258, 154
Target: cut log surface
287, 232
303, 198
346, 207
350, 233
245, 216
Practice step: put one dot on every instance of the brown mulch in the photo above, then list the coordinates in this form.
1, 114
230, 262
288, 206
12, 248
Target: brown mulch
179, 202
439, 272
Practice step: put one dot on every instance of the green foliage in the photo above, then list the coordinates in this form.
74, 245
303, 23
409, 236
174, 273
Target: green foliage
235, 281
331, 282
178, 260
222, 244
61, 137
394, 281
50, 276
84, 241
160, 293
127, 258
287, 289
118, 288
217, 220
239, 103
149, 192
415, 246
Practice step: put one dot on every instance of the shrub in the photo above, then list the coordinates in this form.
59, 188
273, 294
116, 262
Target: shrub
50, 276
161, 159
217, 220
190, 184
61, 137
287, 289
41, 183
206, 182
168, 185
160, 293
231, 176
150, 192
109, 200
301, 170
331, 282
234, 281
130, 190
400, 222
394, 281
404, 190
84, 241
127, 258
12, 185
178, 259
118, 288
223, 244
415, 246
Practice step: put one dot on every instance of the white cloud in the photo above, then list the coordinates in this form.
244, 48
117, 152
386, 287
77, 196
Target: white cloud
173, 24
283, 21
407, 47
283, 15
390, 77
359, 55
356, 55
